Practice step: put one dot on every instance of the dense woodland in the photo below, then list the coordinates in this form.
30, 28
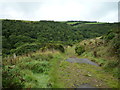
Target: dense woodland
20, 34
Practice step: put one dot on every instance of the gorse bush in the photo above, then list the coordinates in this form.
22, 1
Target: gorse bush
79, 49
50, 46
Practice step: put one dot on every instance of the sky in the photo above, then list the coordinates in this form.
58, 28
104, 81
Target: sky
60, 10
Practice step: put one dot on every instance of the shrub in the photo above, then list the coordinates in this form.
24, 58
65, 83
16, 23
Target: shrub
11, 77
112, 64
50, 46
116, 45
79, 50
42, 57
35, 66
26, 48
109, 36
39, 67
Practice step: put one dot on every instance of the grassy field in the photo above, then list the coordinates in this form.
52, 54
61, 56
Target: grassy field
72, 22
95, 23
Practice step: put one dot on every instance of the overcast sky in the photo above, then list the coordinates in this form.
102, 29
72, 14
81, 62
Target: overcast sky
60, 10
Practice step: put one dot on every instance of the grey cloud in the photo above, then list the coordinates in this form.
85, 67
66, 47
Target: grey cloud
25, 7
105, 8
94, 10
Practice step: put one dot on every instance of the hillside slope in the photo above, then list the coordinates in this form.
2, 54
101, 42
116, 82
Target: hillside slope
18, 33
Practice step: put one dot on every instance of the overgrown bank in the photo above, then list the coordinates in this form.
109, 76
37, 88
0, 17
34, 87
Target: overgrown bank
104, 51
35, 71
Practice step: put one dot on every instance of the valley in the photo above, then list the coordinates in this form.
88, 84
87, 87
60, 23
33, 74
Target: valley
70, 54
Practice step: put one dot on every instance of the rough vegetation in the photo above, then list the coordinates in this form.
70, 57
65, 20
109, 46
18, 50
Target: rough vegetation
79, 50
35, 54
105, 51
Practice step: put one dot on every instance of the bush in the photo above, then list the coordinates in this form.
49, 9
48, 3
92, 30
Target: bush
11, 77
40, 57
110, 36
116, 45
26, 48
36, 66
79, 50
113, 66
50, 46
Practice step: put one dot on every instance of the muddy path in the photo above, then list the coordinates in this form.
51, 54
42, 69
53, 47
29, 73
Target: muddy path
81, 60
78, 72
